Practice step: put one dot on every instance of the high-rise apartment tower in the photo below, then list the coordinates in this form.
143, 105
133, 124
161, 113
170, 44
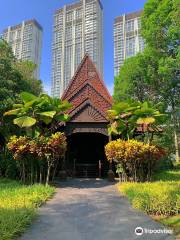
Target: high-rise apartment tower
26, 42
78, 29
127, 38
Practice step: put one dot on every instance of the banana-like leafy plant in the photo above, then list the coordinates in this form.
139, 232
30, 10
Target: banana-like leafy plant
37, 113
126, 117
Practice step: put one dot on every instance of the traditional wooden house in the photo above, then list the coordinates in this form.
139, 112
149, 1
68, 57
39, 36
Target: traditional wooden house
86, 130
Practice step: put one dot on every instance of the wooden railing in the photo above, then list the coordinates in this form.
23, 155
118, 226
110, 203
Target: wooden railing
86, 170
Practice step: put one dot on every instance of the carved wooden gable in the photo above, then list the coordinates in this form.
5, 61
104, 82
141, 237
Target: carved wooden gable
88, 94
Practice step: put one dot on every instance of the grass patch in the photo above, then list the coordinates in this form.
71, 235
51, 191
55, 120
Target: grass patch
157, 198
173, 222
160, 199
18, 204
168, 175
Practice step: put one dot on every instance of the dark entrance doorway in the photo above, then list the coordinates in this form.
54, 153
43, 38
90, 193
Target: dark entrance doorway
85, 155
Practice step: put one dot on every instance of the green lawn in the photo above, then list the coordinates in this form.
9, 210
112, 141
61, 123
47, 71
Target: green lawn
18, 204
172, 221
160, 199
167, 175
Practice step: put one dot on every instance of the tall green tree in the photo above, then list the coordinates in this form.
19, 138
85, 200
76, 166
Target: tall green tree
27, 70
11, 81
15, 77
132, 81
161, 30
11, 84
156, 72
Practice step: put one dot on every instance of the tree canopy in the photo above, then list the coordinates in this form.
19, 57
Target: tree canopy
15, 77
27, 69
155, 73
133, 80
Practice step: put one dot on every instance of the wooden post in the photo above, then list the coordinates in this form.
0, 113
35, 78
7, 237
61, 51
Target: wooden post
111, 175
74, 167
63, 173
100, 166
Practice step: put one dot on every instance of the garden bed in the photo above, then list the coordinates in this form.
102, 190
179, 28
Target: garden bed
18, 205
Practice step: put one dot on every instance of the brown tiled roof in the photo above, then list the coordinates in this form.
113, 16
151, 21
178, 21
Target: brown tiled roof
87, 86
146, 128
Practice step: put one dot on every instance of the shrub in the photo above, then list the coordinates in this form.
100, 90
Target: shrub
137, 158
8, 168
34, 154
158, 198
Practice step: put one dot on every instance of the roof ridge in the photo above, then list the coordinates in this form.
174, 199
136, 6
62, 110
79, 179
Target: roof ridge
76, 72
100, 77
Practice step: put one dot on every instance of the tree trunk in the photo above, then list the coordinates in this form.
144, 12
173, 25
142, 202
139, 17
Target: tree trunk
40, 174
55, 169
32, 172
110, 163
48, 174
36, 176
175, 136
23, 173
111, 175
176, 145
135, 175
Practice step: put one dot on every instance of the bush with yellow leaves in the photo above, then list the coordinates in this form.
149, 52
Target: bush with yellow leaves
36, 157
137, 158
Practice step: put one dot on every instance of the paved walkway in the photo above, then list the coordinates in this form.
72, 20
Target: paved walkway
85, 209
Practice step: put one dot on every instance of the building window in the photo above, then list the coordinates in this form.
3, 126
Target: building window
130, 26
69, 33
130, 47
69, 16
78, 13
